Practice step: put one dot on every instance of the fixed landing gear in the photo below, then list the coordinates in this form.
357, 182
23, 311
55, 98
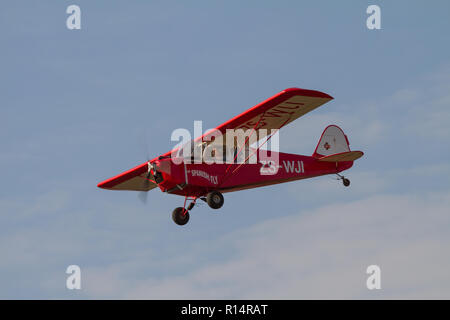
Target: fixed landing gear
345, 181
214, 199
181, 214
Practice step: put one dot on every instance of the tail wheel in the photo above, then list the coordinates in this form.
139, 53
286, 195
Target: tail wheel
215, 199
346, 182
180, 216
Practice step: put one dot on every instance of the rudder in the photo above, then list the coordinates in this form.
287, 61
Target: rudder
332, 141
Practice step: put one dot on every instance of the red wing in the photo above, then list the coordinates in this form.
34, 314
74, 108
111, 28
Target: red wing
133, 179
277, 111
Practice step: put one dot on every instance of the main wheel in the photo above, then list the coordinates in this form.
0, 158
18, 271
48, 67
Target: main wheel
214, 199
346, 182
180, 216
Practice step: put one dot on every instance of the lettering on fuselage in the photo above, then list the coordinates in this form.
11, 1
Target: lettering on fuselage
268, 168
204, 175
294, 166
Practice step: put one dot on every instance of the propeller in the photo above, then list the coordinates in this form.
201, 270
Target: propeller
152, 177
143, 195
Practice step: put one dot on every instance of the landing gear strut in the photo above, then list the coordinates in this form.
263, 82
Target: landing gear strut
181, 214
345, 181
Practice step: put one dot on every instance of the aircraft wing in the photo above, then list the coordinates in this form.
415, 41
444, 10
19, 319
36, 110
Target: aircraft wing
133, 179
277, 111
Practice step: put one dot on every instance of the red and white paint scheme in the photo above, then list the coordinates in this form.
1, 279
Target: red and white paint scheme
208, 182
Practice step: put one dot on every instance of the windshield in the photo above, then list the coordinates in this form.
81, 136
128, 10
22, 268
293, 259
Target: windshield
202, 152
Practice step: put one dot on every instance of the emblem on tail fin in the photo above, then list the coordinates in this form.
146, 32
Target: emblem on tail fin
332, 141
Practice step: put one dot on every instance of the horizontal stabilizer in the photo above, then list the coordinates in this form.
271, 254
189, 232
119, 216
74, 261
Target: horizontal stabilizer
343, 156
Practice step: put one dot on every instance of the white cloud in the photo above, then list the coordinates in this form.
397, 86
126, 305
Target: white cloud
322, 253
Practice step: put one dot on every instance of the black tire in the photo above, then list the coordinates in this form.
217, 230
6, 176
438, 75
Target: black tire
180, 216
346, 182
214, 199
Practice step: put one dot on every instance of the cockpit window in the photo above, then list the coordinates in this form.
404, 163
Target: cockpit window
201, 152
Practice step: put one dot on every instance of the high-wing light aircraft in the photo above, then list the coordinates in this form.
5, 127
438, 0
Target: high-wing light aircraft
226, 159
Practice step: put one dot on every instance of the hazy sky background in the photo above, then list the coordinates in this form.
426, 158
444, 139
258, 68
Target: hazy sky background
77, 107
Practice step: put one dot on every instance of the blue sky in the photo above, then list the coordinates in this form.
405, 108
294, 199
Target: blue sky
77, 107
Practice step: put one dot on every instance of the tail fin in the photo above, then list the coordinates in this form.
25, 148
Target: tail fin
332, 141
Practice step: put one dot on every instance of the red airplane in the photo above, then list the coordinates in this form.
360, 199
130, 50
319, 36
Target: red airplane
195, 178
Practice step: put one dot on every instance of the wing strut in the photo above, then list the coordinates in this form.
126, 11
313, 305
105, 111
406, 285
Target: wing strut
237, 153
251, 154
